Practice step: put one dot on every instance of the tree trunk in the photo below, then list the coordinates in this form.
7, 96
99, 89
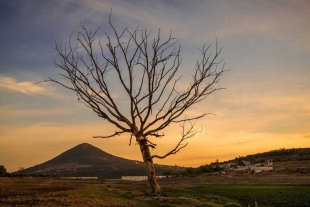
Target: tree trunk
150, 169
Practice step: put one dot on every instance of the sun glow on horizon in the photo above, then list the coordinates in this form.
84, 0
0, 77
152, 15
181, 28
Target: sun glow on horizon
264, 107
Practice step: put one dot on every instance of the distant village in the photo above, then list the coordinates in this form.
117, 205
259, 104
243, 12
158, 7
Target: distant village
213, 169
247, 166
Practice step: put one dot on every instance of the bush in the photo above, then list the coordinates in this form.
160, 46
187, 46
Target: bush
3, 172
168, 172
190, 170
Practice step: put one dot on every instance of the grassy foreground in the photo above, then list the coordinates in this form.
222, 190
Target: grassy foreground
273, 195
55, 192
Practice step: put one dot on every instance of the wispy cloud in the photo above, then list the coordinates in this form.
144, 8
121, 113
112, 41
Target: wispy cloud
225, 19
240, 143
25, 87
280, 20
145, 15
11, 112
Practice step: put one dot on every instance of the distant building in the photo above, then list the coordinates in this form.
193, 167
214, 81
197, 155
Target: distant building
257, 169
79, 178
139, 178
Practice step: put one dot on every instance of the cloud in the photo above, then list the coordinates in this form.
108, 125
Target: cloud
145, 15
12, 113
239, 143
266, 17
287, 21
25, 87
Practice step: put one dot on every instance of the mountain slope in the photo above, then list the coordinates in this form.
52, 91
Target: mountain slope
87, 160
280, 155
285, 161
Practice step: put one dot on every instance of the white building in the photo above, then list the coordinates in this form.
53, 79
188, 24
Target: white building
139, 178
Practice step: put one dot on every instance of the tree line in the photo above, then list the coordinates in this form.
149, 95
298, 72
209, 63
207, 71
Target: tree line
203, 169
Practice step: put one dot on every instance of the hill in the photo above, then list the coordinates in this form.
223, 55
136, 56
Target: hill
285, 161
280, 155
87, 160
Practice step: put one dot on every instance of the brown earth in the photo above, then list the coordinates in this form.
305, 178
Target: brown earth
56, 192
264, 178
292, 167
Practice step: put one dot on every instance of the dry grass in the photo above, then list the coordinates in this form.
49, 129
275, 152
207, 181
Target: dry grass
180, 191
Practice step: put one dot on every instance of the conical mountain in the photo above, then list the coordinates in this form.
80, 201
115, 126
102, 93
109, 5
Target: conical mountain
83, 154
87, 160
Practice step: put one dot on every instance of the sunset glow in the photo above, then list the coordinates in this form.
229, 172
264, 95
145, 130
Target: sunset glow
265, 105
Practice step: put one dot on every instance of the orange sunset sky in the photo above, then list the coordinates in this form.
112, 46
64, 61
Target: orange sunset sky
265, 106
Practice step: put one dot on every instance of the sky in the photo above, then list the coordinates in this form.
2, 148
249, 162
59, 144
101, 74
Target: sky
264, 107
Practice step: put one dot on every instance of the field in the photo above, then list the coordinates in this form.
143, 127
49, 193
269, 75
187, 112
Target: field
266, 190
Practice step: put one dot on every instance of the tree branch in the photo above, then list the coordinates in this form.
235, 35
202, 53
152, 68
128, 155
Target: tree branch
142, 71
185, 135
113, 135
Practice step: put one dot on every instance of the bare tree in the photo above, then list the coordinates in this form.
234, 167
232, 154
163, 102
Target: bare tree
146, 72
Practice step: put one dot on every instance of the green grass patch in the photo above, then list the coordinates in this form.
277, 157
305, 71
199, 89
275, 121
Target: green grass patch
44, 192
273, 195
210, 198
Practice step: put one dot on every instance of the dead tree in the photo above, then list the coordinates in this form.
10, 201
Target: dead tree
146, 72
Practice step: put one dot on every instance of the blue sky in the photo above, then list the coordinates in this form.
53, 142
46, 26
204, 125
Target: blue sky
265, 106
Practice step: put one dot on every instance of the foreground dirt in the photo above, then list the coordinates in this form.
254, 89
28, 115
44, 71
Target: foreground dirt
56, 192
242, 179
